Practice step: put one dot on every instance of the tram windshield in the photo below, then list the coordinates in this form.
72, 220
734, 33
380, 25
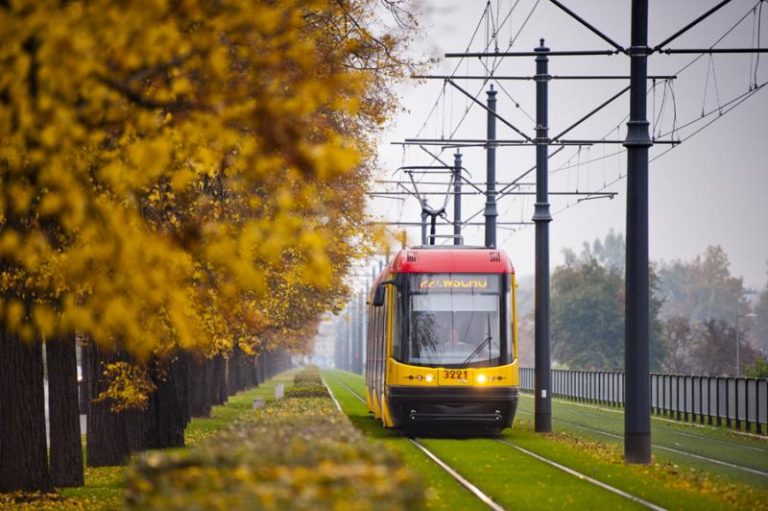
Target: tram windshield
455, 320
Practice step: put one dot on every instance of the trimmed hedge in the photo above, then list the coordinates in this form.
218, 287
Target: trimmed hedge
308, 375
310, 390
294, 454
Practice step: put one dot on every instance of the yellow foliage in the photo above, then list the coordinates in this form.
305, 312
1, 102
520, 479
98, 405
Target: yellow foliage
129, 386
184, 174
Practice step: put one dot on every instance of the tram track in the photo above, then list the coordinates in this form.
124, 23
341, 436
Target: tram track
485, 498
661, 447
583, 477
673, 422
474, 490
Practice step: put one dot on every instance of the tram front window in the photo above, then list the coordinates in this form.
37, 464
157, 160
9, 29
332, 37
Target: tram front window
455, 320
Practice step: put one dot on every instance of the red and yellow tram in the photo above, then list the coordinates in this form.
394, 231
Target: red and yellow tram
442, 339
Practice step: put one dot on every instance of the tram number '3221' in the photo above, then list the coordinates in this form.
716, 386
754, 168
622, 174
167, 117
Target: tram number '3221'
451, 374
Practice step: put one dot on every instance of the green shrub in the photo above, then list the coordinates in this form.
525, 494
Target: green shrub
308, 375
295, 454
308, 390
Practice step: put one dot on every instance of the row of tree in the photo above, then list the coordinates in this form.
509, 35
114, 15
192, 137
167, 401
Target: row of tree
702, 319
182, 188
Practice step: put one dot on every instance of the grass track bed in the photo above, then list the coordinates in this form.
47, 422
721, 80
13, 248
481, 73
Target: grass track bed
517, 481
443, 492
720, 445
503, 473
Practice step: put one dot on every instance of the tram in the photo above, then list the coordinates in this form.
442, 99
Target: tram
442, 340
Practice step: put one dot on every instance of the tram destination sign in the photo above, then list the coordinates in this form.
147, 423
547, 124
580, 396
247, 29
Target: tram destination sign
447, 282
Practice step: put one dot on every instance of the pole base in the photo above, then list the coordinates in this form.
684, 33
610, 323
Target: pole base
637, 448
543, 423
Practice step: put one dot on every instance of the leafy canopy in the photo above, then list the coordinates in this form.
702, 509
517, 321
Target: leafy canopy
184, 174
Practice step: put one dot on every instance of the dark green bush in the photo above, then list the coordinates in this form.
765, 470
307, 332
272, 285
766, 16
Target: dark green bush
308, 375
295, 454
307, 390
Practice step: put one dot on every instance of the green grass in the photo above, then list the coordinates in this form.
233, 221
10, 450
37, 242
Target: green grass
517, 481
104, 486
716, 443
222, 416
443, 493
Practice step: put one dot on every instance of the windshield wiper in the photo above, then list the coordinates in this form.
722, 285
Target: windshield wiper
477, 351
488, 340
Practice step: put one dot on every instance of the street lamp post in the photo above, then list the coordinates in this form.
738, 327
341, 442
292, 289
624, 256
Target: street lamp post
738, 342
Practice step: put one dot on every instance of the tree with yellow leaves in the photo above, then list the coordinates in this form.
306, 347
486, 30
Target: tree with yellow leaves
159, 162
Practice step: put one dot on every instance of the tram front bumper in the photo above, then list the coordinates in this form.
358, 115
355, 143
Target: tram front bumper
482, 406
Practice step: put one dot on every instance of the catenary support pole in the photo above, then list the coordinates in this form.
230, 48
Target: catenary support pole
356, 336
457, 198
361, 331
490, 191
542, 218
637, 418
350, 319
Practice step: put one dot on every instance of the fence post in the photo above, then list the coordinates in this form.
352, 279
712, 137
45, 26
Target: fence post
716, 415
727, 403
736, 404
758, 427
746, 405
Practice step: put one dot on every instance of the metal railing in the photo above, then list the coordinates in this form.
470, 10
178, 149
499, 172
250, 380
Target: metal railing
740, 403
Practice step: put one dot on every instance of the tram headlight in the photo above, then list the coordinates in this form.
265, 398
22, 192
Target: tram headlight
481, 379
428, 378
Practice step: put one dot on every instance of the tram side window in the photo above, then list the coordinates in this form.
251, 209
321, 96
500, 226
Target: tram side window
512, 318
376, 342
369, 340
396, 330
381, 346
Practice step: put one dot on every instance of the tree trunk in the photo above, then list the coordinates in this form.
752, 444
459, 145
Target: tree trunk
233, 371
164, 417
201, 406
213, 394
268, 364
135, 426
255, 371
220, 379
181, 377
23, 450
66, 453
107, 433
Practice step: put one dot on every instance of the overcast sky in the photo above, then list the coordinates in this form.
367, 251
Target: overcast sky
712, 189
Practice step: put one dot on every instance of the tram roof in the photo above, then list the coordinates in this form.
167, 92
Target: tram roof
451, 260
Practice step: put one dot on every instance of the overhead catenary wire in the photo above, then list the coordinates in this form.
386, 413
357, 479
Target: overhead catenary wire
487, 14
668, 101
621, 176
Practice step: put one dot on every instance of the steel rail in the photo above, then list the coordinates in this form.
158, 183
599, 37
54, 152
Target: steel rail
489, 502
665, 448
595, 406
583, 477
458, 477
474, 490
330, 393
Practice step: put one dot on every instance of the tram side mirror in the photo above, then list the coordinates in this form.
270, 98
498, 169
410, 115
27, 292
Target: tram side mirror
378, 296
